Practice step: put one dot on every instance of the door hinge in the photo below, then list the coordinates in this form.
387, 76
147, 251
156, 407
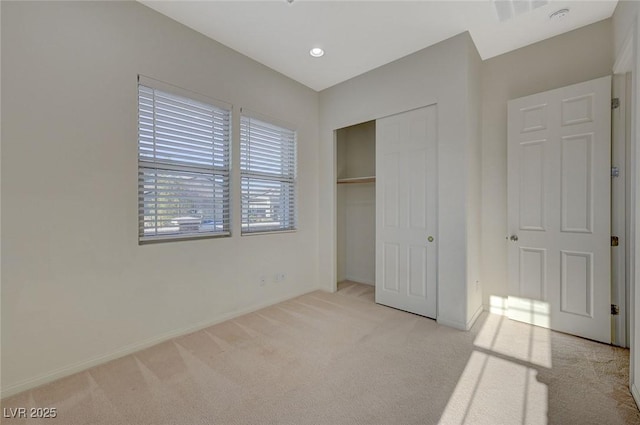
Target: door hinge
615, 172
614, 241
615, 310
615, 103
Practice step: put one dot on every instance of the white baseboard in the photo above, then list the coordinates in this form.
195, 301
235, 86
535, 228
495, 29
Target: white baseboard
636, 394
361, 280
459, 325
452, 324
475, 316
495, 310
62, 372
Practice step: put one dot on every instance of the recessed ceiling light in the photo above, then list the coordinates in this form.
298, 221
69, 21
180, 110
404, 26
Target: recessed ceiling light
559, 14
316, 52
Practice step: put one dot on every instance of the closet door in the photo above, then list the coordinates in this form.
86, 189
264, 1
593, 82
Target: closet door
406, 205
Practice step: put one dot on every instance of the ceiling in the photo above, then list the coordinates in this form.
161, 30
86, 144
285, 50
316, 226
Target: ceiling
358, 36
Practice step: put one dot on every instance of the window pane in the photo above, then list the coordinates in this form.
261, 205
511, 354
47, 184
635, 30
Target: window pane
179, 203
267, 205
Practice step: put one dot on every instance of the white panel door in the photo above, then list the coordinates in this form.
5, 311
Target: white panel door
559, 207
406, 171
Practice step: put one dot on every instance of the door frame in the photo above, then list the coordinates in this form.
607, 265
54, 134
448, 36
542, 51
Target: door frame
619, 218
627, 60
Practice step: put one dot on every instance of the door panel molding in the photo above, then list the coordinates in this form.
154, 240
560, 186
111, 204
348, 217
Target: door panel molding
406, 211
559, 209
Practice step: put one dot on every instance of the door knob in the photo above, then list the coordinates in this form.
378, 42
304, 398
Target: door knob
514, 238
430, 238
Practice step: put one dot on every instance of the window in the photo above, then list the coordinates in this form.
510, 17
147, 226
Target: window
268, 174
183, 164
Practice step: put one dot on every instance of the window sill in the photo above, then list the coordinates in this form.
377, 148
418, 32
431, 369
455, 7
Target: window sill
179, 238
268, 232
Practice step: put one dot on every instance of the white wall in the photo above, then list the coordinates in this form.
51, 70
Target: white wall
624, 17
356, 204
341, 233
626, 23
438, 74
358, 210
577, 56
357, 150
341, 219
77, 288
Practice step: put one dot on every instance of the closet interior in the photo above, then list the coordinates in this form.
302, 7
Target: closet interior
356, 203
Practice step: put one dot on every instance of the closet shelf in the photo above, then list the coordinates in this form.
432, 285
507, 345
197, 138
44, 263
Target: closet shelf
368, 179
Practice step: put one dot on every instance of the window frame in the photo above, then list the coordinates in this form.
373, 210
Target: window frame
219, 168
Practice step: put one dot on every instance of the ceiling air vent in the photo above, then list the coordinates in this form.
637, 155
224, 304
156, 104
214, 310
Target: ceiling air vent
507, 9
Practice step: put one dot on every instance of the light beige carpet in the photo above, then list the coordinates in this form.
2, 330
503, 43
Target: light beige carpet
341, 359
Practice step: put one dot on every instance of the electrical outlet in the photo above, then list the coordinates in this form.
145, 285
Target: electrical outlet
263, 280
280, 277
477, 285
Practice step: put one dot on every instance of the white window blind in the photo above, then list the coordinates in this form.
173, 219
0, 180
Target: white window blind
268, 174
183, 166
